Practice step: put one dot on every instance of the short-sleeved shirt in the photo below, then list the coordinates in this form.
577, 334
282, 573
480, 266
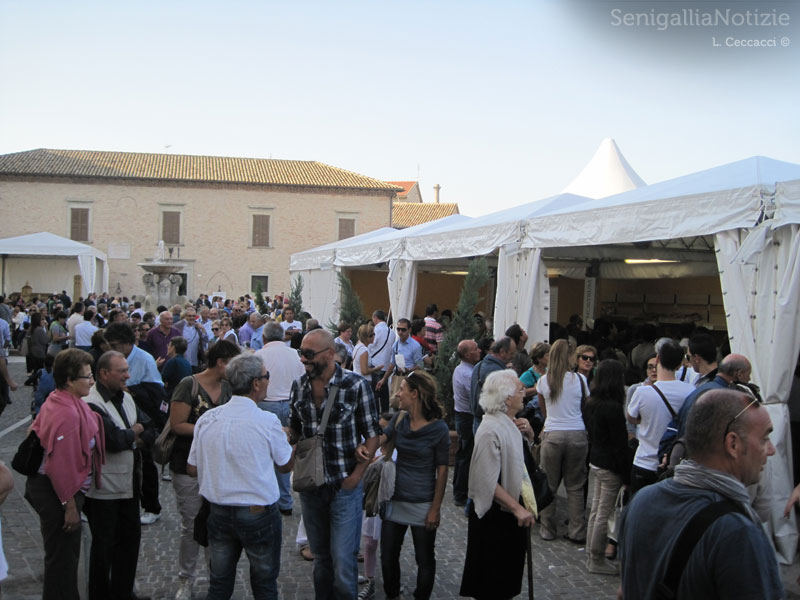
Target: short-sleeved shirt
462, 381
565, 413
647, 404
201, 403
410, 350
353, 418
174, 371
419, 453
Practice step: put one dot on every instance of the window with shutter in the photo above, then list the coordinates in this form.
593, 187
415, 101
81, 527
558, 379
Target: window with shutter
171, 227
261, 231
79, 224
347, 228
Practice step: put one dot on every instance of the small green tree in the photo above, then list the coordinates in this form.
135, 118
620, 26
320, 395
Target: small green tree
351, 311
295, 300
259, 299
462, 327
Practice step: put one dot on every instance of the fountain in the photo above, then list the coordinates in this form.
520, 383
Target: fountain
161, 280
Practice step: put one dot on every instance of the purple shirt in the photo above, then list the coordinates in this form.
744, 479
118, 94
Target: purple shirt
158, 342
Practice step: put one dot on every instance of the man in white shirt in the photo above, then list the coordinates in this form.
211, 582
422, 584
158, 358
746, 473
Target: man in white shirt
649, 410
74, 319
235, 449
289, 325
84, 330
380, 353
284, 366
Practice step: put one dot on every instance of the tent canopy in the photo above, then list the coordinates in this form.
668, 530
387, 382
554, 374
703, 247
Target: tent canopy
607, 173
45, 244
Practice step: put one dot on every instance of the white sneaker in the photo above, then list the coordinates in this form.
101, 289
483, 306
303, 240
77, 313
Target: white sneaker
184, 591
148, 518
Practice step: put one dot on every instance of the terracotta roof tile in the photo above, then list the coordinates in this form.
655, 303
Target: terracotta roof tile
176, 167
408, 214
406, 185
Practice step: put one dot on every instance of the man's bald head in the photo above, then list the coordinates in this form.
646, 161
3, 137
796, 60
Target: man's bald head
468, 351
736, 367
319, 338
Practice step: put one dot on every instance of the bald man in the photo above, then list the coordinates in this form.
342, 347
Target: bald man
728, 438
332, 513
159, 337
469, 354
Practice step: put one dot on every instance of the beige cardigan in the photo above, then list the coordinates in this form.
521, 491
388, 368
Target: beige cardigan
497, 456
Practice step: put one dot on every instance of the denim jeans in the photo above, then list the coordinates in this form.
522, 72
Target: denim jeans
466, 440
281, 410
333, 524
392, 535
231, 528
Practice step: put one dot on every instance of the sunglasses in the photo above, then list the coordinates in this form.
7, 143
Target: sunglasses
215, 329
264, 376
586, 357
309, 354
739, 414
402, 328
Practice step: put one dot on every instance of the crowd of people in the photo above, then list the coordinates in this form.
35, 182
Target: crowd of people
240, 385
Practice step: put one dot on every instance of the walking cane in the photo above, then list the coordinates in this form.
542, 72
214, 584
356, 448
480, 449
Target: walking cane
530, 564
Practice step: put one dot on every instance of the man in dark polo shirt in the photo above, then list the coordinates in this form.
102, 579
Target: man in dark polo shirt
159, 337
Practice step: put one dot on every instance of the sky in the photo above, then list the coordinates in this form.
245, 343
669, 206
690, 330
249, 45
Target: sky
500, 103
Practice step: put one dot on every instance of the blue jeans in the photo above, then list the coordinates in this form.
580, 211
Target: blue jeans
281, 410
231, 528
333, 524
466, 441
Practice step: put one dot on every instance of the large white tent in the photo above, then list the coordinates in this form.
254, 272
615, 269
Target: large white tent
749, 211
38, 258
606, 173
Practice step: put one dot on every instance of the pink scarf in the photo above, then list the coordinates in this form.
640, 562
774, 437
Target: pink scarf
65, 426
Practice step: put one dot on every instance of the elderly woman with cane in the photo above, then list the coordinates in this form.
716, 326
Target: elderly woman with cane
499, 521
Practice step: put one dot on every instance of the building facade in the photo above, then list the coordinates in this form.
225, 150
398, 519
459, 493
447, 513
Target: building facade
233, 222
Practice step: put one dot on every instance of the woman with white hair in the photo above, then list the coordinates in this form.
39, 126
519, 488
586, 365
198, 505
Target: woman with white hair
498, 520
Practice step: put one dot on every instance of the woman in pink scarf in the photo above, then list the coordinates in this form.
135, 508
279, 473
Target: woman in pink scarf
74, 450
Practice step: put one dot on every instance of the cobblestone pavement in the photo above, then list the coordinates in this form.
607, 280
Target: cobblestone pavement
558, 566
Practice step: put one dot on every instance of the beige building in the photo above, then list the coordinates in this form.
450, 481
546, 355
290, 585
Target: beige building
409, 208
231, 221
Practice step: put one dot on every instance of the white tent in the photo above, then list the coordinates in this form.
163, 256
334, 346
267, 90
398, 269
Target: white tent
750, 212
31, 258
606, 174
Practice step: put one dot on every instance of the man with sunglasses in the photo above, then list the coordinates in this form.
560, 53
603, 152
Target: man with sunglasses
332, 512
410, 350
651, 408
730, 556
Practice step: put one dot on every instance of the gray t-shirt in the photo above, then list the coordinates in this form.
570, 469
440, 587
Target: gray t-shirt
418, 454
733, 560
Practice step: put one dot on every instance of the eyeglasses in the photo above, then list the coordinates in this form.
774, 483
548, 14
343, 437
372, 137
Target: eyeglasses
84, 377
651, 367
739, 414
309, 354
587, 357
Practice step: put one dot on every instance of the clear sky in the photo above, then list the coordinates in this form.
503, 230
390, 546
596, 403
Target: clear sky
499, 102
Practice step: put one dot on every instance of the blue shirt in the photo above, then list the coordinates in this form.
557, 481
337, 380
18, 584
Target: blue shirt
411, 351
257, 339
142, 367
175, 369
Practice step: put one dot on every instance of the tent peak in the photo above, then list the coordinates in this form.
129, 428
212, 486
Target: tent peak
606, 174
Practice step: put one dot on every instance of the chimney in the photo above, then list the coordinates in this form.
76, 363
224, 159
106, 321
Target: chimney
436, 189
